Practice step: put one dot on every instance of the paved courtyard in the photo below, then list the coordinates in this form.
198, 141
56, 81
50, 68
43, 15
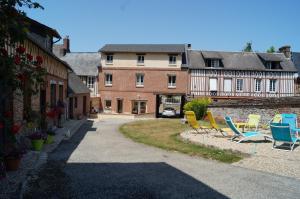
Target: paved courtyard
99, 162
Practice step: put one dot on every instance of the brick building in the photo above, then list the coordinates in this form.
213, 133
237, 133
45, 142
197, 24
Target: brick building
143, 78
39, 42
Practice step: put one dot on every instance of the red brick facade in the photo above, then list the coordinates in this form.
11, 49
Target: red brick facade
124, 86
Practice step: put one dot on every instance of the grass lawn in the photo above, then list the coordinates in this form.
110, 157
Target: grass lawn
164, 133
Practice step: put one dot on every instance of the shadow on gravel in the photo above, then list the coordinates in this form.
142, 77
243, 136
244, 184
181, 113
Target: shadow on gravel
59, 179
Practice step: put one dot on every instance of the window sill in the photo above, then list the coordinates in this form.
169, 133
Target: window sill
171, 87
140, 64
172, 64
108, 85
139, 86
109, 63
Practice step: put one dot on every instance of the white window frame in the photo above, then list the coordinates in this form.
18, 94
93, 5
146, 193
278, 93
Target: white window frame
257, 85
215, 80
172, 59
239, 85
171, 81
90, 82
139, 80
140, 59
109, 59
272, 85
215, 63
108, 81
230, 87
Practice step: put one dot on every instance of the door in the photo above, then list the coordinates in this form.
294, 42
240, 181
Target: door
119, 105
227, 85
139, 107
71, 107
84, 105
43, 108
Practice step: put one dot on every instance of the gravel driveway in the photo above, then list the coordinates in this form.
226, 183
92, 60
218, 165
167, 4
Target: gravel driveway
99, 162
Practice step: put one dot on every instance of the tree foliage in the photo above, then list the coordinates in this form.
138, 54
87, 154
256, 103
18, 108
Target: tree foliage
271, 50
248, 47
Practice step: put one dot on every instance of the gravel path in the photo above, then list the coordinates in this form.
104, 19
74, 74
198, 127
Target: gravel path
262, 156
99, 162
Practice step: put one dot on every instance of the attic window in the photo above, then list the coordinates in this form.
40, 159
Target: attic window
215, 63
273, 65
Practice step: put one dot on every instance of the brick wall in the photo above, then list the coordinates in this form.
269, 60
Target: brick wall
240, 109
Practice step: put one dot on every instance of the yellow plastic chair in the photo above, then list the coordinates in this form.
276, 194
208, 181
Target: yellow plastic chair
214, 124
252, 122
276, 119
192, 121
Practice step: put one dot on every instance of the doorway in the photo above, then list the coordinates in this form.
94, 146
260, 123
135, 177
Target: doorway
139, 107
119, 106
71, 107
84, 106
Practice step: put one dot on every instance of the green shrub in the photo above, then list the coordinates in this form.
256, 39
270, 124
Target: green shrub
199, 106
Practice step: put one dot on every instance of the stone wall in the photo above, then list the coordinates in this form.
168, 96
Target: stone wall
266, 107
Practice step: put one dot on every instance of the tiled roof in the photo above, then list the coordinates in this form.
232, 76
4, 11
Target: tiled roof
144, 48
83, 63
75, 85
239, 60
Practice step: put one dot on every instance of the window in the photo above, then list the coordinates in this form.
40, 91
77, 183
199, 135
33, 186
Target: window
139, 107
109, 59
53, 95
90, 82
213, 63
172, 81
172, 59
213, 84
140, 59
273, 65
76, 102
257, 85
227, 85
140, 80
108, 79
239, 84
272, 85
61, 92
107, 104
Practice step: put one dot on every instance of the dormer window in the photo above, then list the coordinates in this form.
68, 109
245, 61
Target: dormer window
172, 59
214, 63
109, 59
273, 65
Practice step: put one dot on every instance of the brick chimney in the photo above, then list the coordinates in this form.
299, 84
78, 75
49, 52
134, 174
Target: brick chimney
286, 50
66, 44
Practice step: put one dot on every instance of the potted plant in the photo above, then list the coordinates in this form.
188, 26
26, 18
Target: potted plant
50, 136
37, 140
13, 158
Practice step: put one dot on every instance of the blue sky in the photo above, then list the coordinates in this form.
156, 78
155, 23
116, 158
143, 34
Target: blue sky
206, 24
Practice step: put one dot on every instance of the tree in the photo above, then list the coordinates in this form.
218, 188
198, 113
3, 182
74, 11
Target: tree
18, 69
248, 47
271, 50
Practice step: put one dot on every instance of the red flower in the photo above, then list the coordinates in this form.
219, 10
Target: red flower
21, 77
21, 49
3, 52
8, 114
1, 125
15, 128
17, 60
39, 60
29, 57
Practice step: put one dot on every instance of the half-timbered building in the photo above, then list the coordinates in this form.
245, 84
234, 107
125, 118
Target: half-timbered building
226, 75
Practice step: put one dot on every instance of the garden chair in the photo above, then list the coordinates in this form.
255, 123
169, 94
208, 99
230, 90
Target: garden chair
282, 132
192, 121
243, 135
252, 122
214, 124
291, 119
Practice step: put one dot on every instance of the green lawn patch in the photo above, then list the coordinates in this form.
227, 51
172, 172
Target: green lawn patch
164, 133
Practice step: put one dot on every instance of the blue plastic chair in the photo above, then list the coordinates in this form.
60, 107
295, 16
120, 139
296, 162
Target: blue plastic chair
291, 119
243, 135
282, 132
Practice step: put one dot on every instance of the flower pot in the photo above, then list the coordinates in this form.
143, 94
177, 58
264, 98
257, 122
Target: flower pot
37, 145
12, 163
50, 139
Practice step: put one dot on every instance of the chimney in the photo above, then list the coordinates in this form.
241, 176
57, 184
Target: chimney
286, 50
189, 46
66, 44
